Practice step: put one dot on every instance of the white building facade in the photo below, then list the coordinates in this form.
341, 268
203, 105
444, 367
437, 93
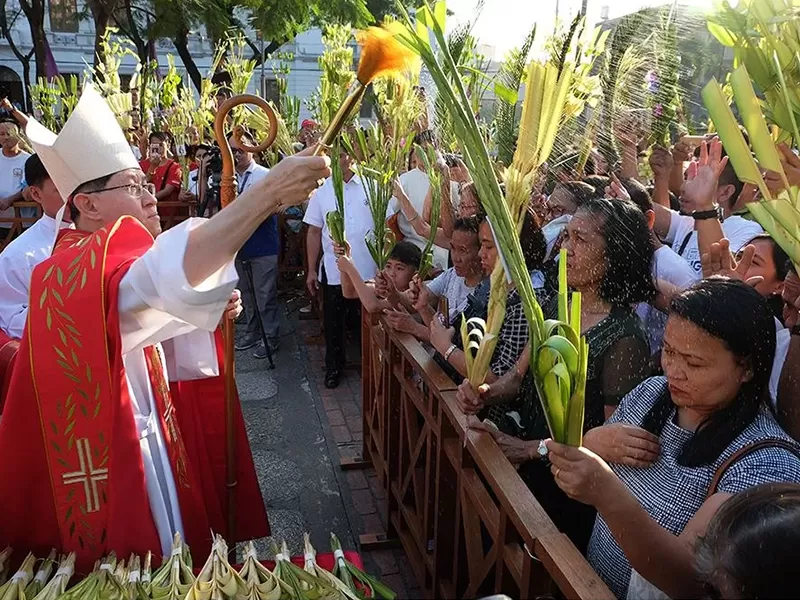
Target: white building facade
72, 45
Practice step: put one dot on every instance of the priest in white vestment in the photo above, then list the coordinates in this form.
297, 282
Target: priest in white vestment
181, 285
21, 255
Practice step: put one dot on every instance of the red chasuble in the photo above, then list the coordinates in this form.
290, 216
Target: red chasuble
71, 465
200, 407
8, 355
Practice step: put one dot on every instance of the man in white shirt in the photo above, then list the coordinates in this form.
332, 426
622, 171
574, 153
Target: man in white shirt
12, 171
260, 255
357, 228
18, 258
153, 292
678, 229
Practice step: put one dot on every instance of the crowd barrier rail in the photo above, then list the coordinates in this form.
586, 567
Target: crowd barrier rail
467, 522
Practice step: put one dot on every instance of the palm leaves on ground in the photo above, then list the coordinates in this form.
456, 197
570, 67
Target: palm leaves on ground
778, 214
765, 38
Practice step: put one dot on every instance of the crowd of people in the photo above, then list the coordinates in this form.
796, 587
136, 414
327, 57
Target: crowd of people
691, 313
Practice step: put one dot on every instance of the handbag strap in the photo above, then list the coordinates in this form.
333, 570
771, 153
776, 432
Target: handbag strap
744, 451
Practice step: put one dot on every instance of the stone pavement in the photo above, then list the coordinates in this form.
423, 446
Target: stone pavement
298, 431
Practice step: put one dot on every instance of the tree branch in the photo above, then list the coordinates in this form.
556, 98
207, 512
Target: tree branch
4, 27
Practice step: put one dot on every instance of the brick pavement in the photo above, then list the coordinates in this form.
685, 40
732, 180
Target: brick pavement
363, 497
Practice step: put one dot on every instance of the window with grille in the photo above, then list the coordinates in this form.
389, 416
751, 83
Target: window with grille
64, 16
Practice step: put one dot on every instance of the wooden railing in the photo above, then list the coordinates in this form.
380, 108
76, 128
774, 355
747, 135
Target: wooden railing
11, 227
468, 523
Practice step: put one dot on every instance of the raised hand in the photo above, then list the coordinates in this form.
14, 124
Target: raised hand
702, 176
617, 190
720, 261
661, 161
791, 299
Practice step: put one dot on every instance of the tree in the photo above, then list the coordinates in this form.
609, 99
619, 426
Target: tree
278, 21
7, 22
102, 12
34, 12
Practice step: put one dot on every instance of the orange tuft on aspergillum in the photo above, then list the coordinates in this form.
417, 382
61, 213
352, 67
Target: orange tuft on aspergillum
382, 53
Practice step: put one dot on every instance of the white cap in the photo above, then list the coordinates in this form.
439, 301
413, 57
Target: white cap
90, 145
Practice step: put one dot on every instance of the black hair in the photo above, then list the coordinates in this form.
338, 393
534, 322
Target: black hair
161, 136
729, 177
629, 251
90, 186
638, 193
751, 543
598, 182
737, 315
674, 203
578, 191
35, 172
406, 253
246, 135
194, 149
468, 224
533, 242
783, 264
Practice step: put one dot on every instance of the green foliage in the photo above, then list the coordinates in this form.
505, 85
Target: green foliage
765, 38
336, 64
381, 162
664, 101
509, 80
621, 50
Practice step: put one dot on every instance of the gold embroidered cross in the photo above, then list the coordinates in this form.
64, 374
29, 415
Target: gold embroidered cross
88, 475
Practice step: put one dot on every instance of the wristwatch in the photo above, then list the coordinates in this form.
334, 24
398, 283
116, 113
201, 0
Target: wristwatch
714, 213
541, 450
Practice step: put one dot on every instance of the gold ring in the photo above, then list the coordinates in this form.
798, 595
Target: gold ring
557, 472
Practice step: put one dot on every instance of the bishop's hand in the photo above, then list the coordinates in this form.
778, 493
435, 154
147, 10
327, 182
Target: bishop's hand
292, 180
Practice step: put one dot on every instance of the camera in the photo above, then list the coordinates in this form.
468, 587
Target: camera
213, 172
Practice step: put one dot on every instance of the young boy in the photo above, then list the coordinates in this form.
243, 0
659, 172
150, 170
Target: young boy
390, 283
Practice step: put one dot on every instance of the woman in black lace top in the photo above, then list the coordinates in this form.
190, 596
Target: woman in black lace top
609, 255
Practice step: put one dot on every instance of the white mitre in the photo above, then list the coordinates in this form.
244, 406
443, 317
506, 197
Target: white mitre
90, 145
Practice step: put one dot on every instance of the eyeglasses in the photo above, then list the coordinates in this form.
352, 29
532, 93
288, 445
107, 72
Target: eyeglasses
135, 190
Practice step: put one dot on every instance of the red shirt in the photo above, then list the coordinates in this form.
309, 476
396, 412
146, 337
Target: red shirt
167, 174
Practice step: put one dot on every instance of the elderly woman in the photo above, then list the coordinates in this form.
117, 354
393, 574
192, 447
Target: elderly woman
609, 256
657, 495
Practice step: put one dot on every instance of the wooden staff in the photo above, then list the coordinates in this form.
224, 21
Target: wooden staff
228, 191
